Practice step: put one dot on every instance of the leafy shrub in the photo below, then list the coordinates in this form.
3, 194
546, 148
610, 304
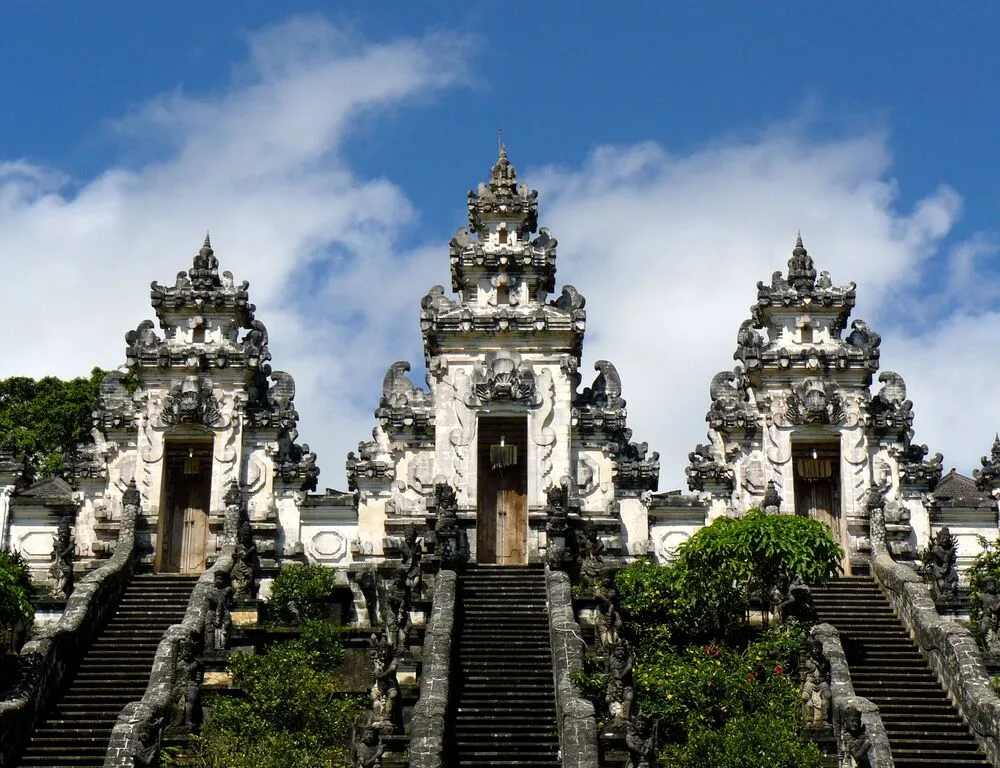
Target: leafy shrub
300, 592
986, 564
293, 713
761, 552
15, 590
759, 740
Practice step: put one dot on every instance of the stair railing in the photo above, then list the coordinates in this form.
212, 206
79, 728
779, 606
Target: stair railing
427, 726
950, 648
574, 714
135, 739
856, 720
46, 658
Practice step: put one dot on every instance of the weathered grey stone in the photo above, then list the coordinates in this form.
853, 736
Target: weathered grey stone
427, 724
575, 715
847, 704
136, 736
48, 657
950, 648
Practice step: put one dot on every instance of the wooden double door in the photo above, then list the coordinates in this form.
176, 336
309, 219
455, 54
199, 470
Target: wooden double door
502, 504
187, 492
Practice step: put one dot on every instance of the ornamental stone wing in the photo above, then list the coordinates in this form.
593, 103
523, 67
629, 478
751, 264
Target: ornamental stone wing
891, 412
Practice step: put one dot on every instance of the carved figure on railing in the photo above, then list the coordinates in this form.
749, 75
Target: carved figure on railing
452, 548
855, 739
147, 742
411, 563
246, 559
61, 569
187, 685
218, 622
797, 602
397, 622
814, 692
640, 740
385, 688
607, 620
590, 546
368, 748
557, 526
620, 691
939, 565
988, 626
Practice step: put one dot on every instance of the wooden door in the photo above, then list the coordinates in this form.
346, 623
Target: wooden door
502, 508
184, 515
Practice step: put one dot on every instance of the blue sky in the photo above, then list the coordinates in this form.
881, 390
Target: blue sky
871, 127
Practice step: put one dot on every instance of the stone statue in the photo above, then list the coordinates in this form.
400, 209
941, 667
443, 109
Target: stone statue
451, 547
186, 696
939, 565
856, 743
368, 748
147, 742
556, 527
385, 688
814, 692
796, 602
772, 500
245, 561
411, 563
592, 567
640, 740
218, 622
61, 569
397, 624
607, 620
620, 691
988, 626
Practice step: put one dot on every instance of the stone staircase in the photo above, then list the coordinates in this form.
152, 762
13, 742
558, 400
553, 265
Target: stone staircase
112, 672
503, 697
924, 728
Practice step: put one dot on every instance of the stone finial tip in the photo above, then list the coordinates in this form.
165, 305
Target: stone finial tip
208, 240
798, 240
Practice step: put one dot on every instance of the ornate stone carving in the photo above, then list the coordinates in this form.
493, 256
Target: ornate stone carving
191, 401
749, 344
218, 622
385, 687
186, 694
814, 691
295, 462
814, 401
728, 412
600, 408
704, 470
891, 412
772, 499
988, 478
557, 533
61, 569
854, 737
452, 546
620, 689
939, 566
504, 376
916, 469
987, 606
368, 748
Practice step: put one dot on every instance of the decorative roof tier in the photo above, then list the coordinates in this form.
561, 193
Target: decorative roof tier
502, 277
804, 317
802, 289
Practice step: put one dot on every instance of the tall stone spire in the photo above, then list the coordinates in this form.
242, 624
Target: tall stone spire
801, 272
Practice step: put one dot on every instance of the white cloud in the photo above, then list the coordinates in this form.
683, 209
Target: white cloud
667, 249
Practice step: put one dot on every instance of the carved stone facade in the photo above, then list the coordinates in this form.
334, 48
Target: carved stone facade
502, 360
797, 416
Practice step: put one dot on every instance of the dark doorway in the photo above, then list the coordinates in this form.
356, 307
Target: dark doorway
817, 483
502, 508
187, 493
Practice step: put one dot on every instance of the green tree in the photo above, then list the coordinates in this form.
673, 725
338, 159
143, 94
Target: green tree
292, 713
300, 592
46, 419
985, 565
16, 610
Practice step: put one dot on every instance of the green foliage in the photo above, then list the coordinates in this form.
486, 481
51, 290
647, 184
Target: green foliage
986, 564
46, 419
293, 714
300, 592
752, 740
761, 552
15, 589
703, 687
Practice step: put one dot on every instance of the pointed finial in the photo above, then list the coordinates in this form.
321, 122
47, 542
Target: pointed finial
208, 240
798, 239
499, 140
